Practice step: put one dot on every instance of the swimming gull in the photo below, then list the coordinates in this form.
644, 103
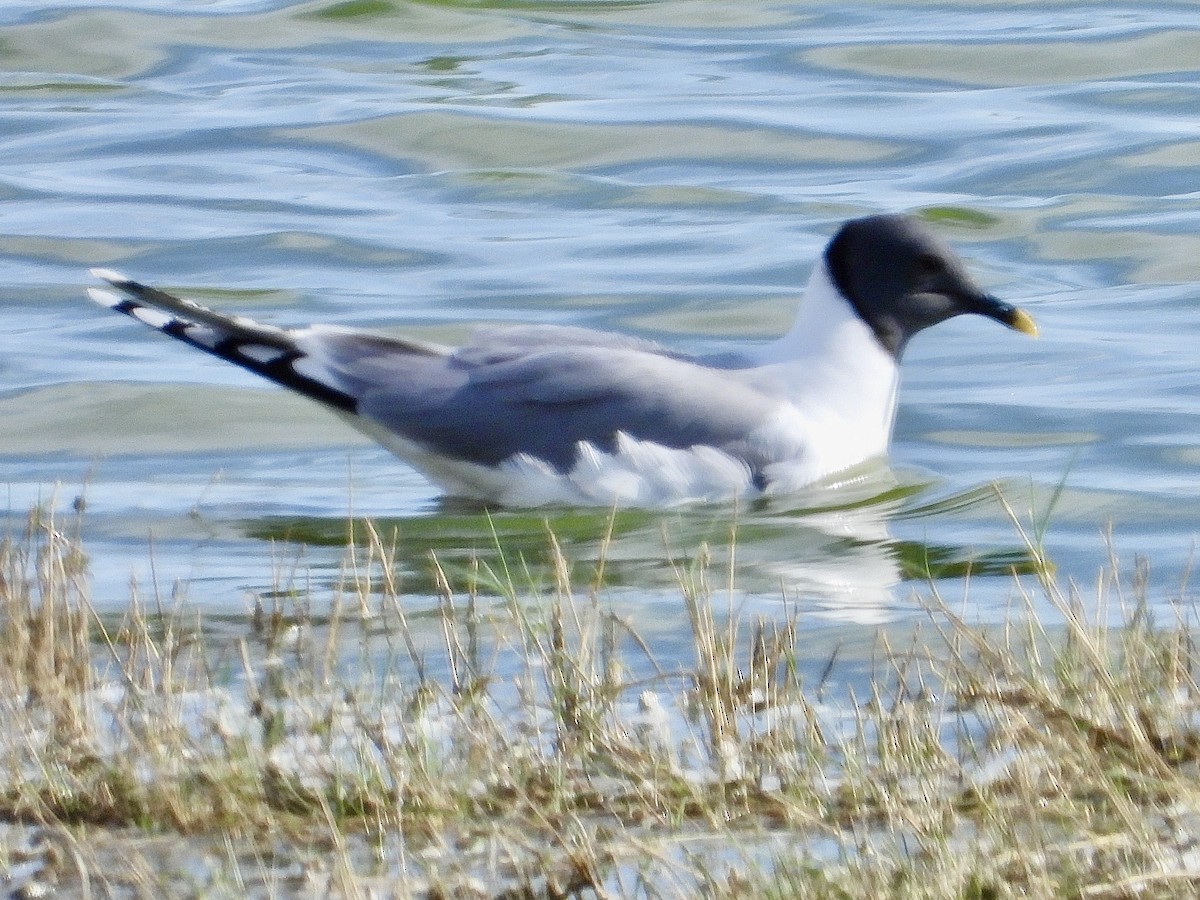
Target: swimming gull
528, 415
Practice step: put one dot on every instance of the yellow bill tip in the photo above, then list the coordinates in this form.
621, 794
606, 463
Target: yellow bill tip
1023, 322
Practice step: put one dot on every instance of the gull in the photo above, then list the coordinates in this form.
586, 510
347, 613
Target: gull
542, 414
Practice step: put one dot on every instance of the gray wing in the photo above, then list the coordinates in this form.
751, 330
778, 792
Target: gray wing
501, 343
495, 344
331, 365
545, 402
538, 390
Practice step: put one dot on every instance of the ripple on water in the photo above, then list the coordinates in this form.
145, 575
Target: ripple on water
672, 168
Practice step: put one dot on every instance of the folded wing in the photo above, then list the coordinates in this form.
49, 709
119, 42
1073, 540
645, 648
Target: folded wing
539, 391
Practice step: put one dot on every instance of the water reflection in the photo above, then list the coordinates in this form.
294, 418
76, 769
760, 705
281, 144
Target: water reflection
838, 559
661, 168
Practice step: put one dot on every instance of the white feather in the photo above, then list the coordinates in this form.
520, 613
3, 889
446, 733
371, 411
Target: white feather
109, 275
204, 335
260, 353
152, 317
104, 298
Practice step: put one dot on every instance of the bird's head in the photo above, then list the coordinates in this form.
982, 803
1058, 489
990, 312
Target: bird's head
901, 278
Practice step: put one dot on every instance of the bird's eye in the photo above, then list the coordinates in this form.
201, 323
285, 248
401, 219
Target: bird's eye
930, 266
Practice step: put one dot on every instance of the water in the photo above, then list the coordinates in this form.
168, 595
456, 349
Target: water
665, 168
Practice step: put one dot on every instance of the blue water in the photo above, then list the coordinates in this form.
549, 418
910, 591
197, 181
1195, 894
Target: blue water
666, 168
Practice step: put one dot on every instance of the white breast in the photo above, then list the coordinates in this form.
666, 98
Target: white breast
837, 388
841, 386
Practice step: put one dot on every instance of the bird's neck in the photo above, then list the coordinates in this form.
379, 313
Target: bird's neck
837, 375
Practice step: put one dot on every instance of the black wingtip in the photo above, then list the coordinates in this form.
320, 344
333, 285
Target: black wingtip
262, 349
113, 277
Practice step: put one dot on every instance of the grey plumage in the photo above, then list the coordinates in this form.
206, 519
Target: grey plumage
553, 401
488, 400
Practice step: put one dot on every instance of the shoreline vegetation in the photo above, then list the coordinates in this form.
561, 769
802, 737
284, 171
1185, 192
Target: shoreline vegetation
537, 748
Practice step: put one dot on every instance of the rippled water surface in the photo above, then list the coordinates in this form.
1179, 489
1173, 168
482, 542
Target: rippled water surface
666, 168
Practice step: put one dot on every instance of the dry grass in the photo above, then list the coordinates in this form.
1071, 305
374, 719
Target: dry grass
541, 751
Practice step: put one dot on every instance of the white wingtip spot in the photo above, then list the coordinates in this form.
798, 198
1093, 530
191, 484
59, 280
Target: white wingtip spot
104, 298
204, 335
112, 276
260, 353
313, 369
151, 317
243, 322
